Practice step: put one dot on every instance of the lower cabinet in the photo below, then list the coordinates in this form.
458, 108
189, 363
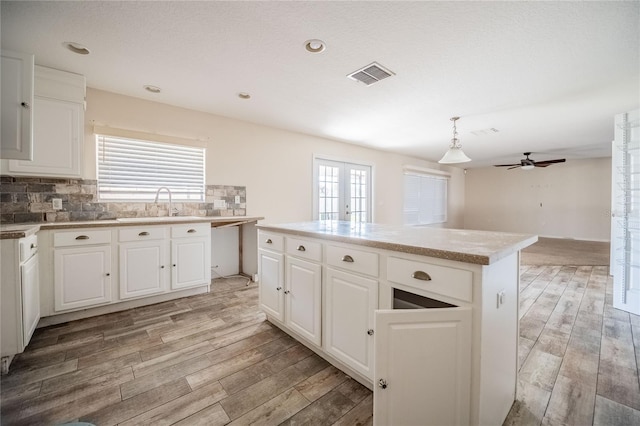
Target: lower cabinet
30, 297
82, 276
271, 283
142, 268
303, 295
422, 367
348, 330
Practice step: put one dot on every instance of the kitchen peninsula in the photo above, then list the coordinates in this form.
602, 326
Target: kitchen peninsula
427, 318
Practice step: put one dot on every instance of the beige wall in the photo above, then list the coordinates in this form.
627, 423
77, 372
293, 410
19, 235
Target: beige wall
275, 165
569, 200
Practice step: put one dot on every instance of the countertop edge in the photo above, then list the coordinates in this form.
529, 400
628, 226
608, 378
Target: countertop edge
28, 229
457, 256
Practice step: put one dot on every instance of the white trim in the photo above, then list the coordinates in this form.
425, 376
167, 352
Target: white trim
151, 137
407, 168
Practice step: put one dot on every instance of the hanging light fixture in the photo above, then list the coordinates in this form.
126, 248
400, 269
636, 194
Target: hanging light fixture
454, 154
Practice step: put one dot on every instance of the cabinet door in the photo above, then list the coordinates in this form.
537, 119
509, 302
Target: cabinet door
57, 135
142, 268
30, 298
271, 283
349, 305
190, 262
422, 367
17, 105
303, 292
82, 277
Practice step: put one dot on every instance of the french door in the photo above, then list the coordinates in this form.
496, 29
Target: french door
625, 220
342, 191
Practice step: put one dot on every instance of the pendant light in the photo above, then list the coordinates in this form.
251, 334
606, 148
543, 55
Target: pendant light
454, 154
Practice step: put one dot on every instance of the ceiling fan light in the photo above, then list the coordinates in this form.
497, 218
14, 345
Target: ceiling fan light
454, 155
528, 167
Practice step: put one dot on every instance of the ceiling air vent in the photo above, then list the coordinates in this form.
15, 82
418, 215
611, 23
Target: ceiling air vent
370, 74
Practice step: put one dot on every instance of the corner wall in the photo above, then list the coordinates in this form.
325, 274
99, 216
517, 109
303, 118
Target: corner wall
567, 200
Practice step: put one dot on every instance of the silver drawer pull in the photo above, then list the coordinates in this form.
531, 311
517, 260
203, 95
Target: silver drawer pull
191, 231
25, 105
143, 233
382, 383
347, 258
278, 288
269, 241
370, 332
301, 248
421, 275
33, 246
82, 237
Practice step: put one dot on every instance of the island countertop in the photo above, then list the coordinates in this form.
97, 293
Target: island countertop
20, 230
468, 246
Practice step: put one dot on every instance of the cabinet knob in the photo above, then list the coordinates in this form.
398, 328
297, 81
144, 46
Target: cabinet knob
269, 241
82, 237
108, 274
162, 267
191, 231
25, 105
174, 265
33, 246
382, 383
143, 234
278, 288
421, 275
370, 332
287, 292
301, 248
347, 258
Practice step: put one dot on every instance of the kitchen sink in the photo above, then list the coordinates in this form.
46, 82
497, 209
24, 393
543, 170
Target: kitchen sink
160, 219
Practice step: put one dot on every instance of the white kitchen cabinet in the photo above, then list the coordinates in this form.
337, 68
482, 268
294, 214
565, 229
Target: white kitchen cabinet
271, 283
82, 269
303, 294
19, 296
422, 367
143, 261
190, 255
348, 324
58, 126
17, 105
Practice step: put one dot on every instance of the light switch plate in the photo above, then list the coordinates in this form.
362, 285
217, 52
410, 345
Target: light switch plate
237, 199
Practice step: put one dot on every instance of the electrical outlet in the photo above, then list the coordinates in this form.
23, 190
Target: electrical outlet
57, 203
237, 199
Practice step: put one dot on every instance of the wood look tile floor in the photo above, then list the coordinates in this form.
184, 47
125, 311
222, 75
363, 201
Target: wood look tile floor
213, 359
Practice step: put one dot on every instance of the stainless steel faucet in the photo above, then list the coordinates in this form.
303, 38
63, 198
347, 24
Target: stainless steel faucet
170, 202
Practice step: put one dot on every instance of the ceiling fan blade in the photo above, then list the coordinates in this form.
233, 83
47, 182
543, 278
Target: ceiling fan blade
516, 167
549, 162
507, 165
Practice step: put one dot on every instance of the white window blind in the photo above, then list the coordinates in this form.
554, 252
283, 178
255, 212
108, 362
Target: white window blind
425, 199
133, 170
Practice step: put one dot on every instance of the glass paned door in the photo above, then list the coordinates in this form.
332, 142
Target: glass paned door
342, 191
625, 221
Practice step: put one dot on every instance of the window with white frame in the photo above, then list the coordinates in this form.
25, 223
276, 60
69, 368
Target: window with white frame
133, 170
425, 199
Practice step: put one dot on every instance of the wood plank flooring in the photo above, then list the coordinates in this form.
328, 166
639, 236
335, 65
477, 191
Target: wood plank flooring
213, 359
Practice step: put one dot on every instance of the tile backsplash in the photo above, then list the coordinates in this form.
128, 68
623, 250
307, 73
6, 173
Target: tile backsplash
29, 199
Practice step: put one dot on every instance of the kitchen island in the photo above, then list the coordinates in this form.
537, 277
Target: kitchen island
427, 318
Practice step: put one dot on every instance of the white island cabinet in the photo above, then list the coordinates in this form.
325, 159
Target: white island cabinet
427, 318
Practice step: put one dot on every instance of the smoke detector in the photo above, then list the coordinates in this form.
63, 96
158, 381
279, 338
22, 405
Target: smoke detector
370, 74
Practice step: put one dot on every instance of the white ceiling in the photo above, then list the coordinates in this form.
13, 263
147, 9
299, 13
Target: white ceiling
548, 75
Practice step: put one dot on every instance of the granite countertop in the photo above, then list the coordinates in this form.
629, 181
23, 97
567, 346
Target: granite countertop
25, 229
469, 246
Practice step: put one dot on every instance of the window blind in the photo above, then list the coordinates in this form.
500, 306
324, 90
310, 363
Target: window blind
425, 199
133, 170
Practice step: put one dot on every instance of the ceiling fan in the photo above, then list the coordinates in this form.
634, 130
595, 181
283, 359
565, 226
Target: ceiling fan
528, 164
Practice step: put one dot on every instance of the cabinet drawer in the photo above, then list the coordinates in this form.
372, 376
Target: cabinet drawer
141, 234
28, 247
449, 282
81, 238
191, 230
304, 249
351, 259
270, 241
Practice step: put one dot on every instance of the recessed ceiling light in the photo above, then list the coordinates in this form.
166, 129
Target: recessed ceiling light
152, 89
314, 45
244, 95
76, 48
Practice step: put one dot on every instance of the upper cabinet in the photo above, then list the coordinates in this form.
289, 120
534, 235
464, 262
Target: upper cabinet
17, 106
58, 126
